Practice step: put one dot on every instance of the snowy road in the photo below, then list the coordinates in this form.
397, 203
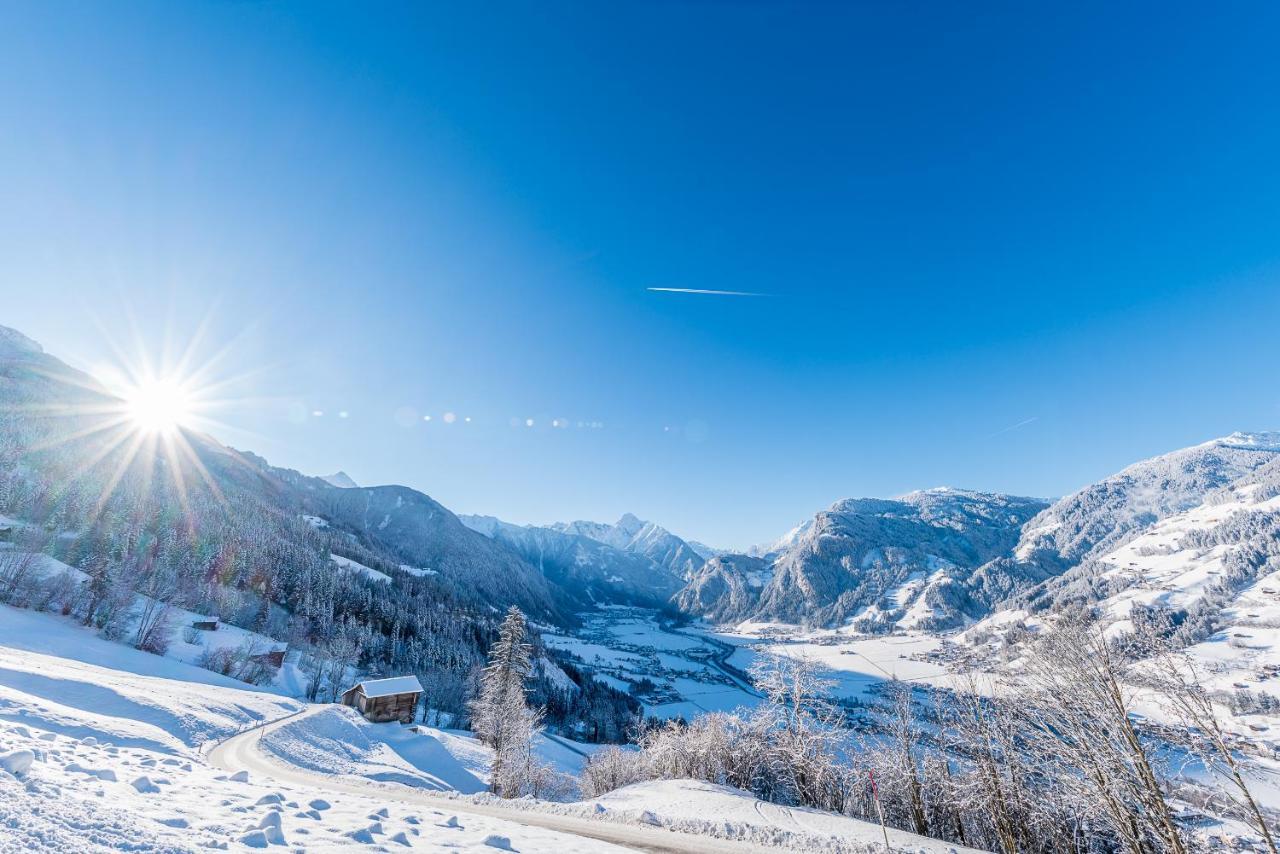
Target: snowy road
241, 753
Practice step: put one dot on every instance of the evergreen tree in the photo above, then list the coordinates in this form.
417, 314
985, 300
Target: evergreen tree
501, 716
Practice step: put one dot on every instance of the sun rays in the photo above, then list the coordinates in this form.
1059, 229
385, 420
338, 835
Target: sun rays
137, 422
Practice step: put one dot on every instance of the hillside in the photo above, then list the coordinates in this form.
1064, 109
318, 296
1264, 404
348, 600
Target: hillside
880, 563
1208, 574
192, 524
103, 748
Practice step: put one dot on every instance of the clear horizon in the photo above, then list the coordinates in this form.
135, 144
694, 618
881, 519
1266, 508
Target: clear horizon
717, 266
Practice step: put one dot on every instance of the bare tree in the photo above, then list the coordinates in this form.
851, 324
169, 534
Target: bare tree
807, 730
996, 786
609, 769
1175, 677
19, 564
154, 620
1078, 708
904, 737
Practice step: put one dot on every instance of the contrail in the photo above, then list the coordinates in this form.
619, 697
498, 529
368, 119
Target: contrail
707, 292
1023, 423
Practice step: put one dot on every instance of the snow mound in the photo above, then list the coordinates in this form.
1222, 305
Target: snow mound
694, 806
337, 740
18, 762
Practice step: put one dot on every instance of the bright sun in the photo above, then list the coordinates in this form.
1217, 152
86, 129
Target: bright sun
158, 406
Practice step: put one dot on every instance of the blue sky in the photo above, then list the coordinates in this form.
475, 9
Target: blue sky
1005, 248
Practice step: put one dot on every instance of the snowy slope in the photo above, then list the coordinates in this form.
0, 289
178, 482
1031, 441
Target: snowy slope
107, 747
1212, 571
1103, 515
108, 753
63, 678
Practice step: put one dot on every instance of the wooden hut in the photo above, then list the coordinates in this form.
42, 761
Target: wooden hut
382, 700
271, 658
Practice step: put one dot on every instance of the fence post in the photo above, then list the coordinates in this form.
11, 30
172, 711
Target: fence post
875, 794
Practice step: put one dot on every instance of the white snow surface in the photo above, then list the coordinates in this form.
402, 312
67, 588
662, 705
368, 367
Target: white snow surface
701, 807
348, 563
116, 741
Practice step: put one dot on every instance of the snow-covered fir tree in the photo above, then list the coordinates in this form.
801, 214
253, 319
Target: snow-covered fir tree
500, 714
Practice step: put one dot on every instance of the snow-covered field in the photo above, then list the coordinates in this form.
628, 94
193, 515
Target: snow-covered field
856, 662
625, 645
105, 748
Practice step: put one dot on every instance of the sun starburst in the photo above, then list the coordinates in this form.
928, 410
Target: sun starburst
136, 418
159, 406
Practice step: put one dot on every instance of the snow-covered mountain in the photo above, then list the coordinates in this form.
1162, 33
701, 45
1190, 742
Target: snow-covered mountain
589, 570
940, 558
64, 459
1192, 535
634, 535
773, 548
421, 533
1103, 515
879, 563
705, 551
14, 345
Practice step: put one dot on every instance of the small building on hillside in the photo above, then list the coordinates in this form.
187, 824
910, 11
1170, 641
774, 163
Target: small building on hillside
271, 658
382, 700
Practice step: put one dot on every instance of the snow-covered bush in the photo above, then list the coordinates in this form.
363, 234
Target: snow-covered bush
609, 769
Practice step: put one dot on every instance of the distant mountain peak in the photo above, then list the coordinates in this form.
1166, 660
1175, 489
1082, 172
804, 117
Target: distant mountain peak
633, 534
630, 523
340, 479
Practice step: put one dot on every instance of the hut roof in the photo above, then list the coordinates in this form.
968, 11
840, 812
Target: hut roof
387, 687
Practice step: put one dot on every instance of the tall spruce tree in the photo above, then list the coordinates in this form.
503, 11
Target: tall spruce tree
501, 716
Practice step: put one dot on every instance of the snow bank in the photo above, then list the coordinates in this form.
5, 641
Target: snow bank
694, 806
336, 740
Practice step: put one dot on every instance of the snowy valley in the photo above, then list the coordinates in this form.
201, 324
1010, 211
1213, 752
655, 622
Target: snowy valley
178, 626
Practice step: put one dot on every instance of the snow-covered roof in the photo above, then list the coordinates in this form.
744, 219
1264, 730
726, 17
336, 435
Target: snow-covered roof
387, 687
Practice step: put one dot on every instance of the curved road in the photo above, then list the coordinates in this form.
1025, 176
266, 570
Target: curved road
241, 753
